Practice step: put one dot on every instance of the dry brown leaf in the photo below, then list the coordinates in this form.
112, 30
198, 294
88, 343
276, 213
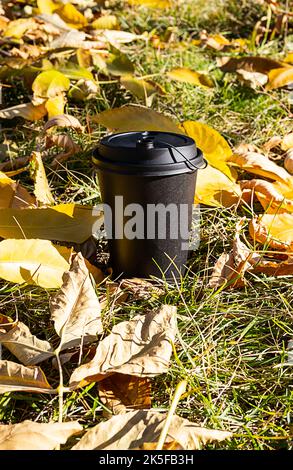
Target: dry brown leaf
243, 147
140, 288
13, 195
42, 190
275, 268
259, 164
132, 430
123, 392
64, 120
274, 230
252, 79
231, 267
97, 274
30, 435
140, 347
251, 64
64, 141
15, 164
75, 308
114, 297
28, 349
18, 378
172, 445
269, 195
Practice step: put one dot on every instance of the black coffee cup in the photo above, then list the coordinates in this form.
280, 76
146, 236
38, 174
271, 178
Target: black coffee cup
147, 181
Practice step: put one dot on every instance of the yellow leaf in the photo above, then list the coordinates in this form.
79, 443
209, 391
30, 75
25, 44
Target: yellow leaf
65, 222
214, 147
141, 88
27, 111
38, 173
13, 195
191, 76
36, 262
55, 106
259, 164
71, 16
152, 3
50, 83
46, 6
105, 22
289, 58
214, 188
17, 28
135, 118
280, 77
275, 230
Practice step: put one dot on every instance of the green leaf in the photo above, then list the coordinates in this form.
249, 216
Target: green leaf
118, 64
75, 72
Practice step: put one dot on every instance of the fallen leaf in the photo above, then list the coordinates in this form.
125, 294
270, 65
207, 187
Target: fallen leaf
271, 195
119, 64
231, 267
75, 308
30, 435
214, 188
151, 3
65, 222
143, 89
55, 106
42, 190
28, 349
18, 378
13, 195
64, 141
274, 230
275, 268
64, 120
135, 118
288, 162
287, 142
36, 262
75, 72
134, 429
250, 64
191, 76
252, 79
172, 445
122, 392
140, 347
214, 147
49, 84
214, 41
140, 288
46, 6
280, 77
71, 16
105, 22
259, 164
27, 111
17, 28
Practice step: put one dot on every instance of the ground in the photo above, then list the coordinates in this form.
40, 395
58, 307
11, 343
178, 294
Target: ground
231, 342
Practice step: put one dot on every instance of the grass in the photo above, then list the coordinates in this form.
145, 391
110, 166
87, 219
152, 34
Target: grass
231, 343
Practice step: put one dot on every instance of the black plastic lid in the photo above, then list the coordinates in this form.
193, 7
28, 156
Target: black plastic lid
148, 153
